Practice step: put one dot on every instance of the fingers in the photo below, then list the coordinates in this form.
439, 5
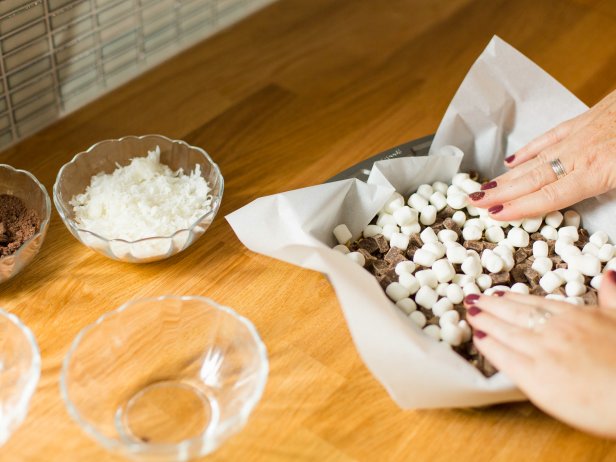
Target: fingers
516, 365
540, 143
520, 339
607, 290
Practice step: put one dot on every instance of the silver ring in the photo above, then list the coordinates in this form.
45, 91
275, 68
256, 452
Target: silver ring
558, 168
538, 317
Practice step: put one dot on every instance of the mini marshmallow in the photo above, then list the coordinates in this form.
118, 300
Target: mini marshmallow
569, 233
425, 190
532, 225
501, 288
588, 265
599, 238
385, 219
549, 232
407, 305
565, 249
459, 178
478, 222
454, 293
503, 251
471, 233
439, 186
428, 235
467, 333
410, 282
399, 240
610, 265
575, 300
473, 253
508, 261
418, 318
542, 265
575, 289
554, 219
557, 297
518, 237
417, 202
394, 203
397, 291
405, 267
495, 234
428, 215
491, 261
606, 253
442, 306
372, 230
484, 281
572, 218
426, 297
570, 274
456, 254
595, 282
441, 289
427, 278
516, 223
342, 249
342, 234
357, 258
520, 288
540, 249
433, 331
457, 201
470, 186
472, 267
389, 230
474, 211
489, 221
405, 216
445, 235
470, 288
415, 228
450, 316
437, 248
423, 257
443, 270
438, 200
507, 244
591, 249
452, 334
459, 218
462, 279
454, 190
550, 281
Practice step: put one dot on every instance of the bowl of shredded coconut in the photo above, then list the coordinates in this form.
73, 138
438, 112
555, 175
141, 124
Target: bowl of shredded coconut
139, 198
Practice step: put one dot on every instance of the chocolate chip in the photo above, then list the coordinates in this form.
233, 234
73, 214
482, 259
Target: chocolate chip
532, 276
368, 244
537, 237
590, 297
368, 257
522, 254
395, 256
447, 212
501, 278
448, 223
415, 240
538, 290
382, 243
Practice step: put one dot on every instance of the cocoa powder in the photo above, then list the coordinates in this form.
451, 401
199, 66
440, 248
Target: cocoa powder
17, 224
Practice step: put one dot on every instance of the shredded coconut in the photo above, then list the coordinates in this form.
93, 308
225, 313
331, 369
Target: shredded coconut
143, 199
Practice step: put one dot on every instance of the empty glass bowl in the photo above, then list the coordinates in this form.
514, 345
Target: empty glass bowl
26, 187
166, 379
75, 176
20, 368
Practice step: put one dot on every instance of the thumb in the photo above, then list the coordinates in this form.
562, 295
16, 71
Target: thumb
607, 290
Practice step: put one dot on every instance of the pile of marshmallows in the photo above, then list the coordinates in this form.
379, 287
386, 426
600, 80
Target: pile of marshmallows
439, 288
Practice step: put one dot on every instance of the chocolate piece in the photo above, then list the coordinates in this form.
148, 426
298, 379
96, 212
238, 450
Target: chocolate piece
486, 366
560, 291
583, 238
415, 240
556, 259
410, 251
518, 274
537, 237
562, 265
501, 278
379, 266
538, 290
368, 257
384, 281
382, 243
479, 246
368, 244
448, 223
522, 254
590, 297
532, 276
551, 247
436, 227
474, 175
447, 212
395, 256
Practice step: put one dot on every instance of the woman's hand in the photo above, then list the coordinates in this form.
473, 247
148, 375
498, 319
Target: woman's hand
586, 147
567, 366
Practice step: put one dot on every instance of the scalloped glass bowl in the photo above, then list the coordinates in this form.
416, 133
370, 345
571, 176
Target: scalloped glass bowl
25, 186
75, 176
165, 379
20, 368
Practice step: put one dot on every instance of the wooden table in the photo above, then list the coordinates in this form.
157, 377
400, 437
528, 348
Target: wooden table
283, 100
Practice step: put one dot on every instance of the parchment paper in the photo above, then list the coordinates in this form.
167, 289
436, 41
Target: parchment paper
504, 101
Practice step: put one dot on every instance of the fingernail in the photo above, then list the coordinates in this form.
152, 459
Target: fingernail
473, 310
477, 195
470, 299
495, 209
612, 275
510, 158
499, 293
490, 185
480, 334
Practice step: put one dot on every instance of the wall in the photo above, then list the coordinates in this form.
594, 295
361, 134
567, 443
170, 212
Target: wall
56, 55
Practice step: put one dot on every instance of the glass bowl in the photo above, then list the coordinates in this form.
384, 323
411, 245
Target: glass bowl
20, 368
105, 156
165, 379
26, 187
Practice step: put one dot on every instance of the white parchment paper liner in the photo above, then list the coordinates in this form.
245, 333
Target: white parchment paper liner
504, 101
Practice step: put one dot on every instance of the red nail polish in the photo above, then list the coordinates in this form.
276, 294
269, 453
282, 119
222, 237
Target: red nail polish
470, 299
473, 310
477, 195
510, 158
480, 334
495, 209
490, 185
612, 275
499, 293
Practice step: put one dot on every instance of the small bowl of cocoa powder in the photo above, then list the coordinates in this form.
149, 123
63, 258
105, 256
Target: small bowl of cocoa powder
25, 209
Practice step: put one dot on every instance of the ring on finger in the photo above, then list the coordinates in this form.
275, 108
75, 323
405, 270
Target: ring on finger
538, 317
558, 168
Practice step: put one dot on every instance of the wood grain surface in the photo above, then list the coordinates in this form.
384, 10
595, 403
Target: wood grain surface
286, 99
